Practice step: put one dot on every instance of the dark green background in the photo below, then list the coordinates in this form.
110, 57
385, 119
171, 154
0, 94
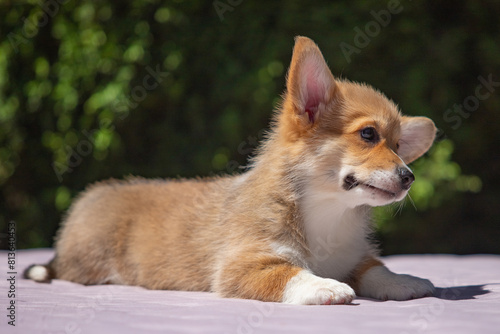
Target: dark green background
77, 104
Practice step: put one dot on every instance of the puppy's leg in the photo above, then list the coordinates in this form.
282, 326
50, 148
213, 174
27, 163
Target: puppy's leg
373, 280
274, 279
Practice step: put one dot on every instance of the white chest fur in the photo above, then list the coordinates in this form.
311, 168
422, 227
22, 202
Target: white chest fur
336, 235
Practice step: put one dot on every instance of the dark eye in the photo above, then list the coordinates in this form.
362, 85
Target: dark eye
369, 134
397, 146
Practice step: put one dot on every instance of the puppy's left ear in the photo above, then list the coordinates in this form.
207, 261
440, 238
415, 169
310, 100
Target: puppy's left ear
417, 136
310, 84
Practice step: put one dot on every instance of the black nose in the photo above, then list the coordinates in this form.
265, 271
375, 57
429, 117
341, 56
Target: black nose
406, 176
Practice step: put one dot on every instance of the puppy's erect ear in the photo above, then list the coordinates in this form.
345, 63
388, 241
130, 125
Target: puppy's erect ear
417, 136
310, 84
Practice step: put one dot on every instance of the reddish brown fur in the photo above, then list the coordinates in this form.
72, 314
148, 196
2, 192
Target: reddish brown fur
258, 277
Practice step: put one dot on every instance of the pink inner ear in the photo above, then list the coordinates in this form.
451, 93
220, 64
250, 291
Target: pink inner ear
311, 113
314, 90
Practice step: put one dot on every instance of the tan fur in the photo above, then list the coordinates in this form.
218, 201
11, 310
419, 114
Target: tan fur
241, 236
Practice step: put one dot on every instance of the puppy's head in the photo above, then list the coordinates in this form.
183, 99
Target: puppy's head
349, 140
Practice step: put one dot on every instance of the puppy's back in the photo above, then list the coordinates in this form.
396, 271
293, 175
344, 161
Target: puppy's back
142, 232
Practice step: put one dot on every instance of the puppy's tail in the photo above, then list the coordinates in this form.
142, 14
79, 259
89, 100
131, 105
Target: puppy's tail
42, 273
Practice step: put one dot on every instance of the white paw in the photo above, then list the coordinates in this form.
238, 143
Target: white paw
380, 283
308, 289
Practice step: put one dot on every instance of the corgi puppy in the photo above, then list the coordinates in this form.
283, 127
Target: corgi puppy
294, 228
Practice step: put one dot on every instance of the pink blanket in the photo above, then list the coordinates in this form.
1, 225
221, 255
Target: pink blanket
467, 301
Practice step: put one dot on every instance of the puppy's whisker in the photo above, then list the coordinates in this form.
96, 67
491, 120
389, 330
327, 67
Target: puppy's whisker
411, 201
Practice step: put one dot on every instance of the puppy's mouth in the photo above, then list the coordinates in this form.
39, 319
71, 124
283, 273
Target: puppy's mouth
350, 182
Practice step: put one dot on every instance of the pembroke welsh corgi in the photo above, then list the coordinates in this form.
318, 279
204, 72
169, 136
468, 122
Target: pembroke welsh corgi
294, 228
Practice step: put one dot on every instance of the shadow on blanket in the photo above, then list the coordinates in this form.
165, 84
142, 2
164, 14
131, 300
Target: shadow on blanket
461, 292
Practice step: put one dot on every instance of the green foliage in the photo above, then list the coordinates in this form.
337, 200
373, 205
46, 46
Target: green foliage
91, 90
438, 178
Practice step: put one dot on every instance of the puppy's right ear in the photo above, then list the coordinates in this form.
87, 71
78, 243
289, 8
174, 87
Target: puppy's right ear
417, 136
311, 86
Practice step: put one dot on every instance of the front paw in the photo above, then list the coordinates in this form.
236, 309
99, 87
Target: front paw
380, 283
308, 289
